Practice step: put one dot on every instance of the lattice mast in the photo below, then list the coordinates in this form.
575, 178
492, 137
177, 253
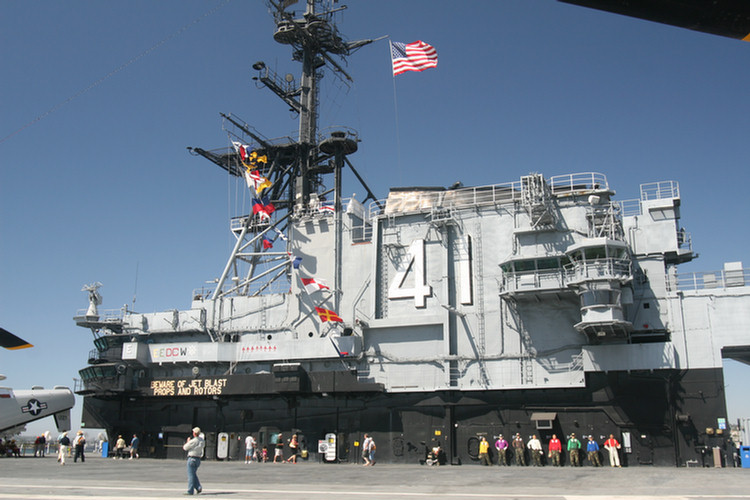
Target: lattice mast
294, 167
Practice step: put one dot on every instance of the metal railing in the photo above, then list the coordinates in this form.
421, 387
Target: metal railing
600, 268
585, 181
497, 194
629, 208
106, 315
709, 280
650, 191
684, 240
559, 279
236, 224
110, 355
660, 190
526, 281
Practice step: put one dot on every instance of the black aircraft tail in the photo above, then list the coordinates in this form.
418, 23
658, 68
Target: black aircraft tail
730, 18
10, 341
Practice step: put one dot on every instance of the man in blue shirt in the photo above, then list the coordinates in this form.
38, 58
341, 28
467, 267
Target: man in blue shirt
134, 447
593, 452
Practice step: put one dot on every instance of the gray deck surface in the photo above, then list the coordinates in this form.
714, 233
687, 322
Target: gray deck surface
44, 478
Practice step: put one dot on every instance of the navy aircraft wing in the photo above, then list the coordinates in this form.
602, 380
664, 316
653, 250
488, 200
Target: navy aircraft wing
730, 18
10, 341
20, 407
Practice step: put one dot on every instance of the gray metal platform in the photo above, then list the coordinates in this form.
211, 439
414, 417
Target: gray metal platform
43, 478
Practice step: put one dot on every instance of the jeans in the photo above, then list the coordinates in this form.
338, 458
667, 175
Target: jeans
192, 472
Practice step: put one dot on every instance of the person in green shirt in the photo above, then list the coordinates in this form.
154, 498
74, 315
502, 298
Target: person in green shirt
574, 448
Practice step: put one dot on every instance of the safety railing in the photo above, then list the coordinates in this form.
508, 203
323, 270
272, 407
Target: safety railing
280, 284
709, 280
110, 355
629, 208
597, 269
684, 240
257, 224
650, 191
660, 190
585, 181
533, 281
105, 315
497, 194
558, 279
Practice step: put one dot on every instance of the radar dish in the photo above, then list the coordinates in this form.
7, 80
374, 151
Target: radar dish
95, 298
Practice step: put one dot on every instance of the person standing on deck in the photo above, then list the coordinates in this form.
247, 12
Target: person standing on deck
555, 450
194, 447
592, 449
501, 445
484, 448
612, 446
519, 449
574, 448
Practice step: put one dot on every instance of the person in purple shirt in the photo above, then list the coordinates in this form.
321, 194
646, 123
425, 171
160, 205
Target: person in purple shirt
501, 445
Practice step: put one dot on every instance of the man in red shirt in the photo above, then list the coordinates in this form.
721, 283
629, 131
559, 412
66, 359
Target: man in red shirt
612, 446
555, 449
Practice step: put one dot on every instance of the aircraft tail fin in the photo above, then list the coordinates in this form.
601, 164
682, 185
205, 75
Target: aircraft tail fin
62, 420
10, 341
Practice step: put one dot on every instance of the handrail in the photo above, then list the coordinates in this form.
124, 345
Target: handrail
105, 315
495, 194
660, 190
650, 191
584, 181
560, 278
597, 268
629, 208
709, 280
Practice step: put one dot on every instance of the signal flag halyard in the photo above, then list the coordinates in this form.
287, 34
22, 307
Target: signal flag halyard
416, 56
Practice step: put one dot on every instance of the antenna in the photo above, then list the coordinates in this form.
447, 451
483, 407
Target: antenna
135, 288
95, 299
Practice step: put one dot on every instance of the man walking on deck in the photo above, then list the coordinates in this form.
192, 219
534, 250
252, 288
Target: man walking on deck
194, 447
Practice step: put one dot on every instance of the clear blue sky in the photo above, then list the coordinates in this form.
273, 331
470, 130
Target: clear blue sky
103, 185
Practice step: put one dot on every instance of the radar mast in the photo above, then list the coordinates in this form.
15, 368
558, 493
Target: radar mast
294, 168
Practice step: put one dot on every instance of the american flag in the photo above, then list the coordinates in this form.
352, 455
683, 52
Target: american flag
326, 207
417, 56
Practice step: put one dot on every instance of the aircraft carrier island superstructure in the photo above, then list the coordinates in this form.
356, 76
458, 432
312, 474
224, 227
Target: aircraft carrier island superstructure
539, 306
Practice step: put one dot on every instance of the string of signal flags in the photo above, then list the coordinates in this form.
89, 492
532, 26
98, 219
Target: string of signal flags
415, 56
252, 162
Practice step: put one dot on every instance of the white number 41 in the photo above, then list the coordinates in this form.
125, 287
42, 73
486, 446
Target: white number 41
414, 261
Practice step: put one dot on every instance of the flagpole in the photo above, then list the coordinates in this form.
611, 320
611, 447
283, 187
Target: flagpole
395, 112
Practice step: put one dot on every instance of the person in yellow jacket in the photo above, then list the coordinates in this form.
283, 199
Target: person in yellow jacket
484, 447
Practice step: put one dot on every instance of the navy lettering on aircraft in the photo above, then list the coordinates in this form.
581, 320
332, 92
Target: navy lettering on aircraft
34, 407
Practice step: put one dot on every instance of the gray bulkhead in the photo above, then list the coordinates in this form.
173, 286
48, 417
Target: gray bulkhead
473, 289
